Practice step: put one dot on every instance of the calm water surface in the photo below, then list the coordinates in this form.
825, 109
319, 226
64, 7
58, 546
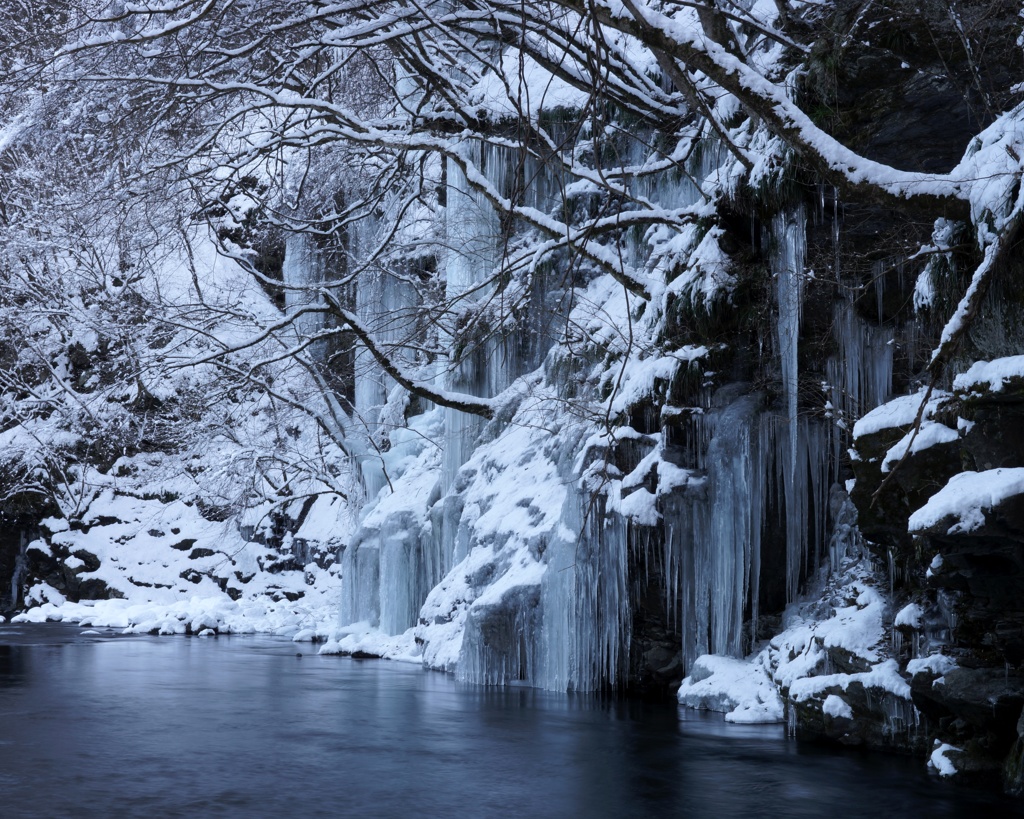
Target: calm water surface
109, 726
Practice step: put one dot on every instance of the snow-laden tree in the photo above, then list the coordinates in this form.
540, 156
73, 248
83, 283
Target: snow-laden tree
111, 297
352, 122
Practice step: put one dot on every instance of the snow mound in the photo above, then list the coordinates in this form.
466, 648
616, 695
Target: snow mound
743, 690
966, 498
909, 616
836, 707
990, 376
937, 664
366, 640
900, 412
941, 763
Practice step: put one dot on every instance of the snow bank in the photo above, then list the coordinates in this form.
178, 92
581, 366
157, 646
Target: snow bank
315, 616
367, 640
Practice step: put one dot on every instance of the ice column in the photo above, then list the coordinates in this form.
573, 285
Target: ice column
587, 620
302, 272
472, 232
714, 534
861, 373
789, 246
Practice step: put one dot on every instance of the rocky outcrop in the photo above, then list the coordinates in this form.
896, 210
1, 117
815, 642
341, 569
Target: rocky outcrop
950, 510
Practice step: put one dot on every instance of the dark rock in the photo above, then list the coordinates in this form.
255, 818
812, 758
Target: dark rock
978, 710
92, 563
655, 653
880, 720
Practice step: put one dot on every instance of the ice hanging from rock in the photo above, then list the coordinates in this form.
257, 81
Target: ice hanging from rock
789, 247
302, 273
585, 598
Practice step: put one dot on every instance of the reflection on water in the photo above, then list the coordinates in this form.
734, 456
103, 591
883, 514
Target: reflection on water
101, 726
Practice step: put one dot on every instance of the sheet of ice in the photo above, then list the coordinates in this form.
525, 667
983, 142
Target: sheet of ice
966, 498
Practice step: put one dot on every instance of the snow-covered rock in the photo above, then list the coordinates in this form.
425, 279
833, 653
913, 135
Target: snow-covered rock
963, 504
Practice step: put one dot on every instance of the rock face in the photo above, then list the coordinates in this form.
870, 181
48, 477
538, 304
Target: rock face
951, 515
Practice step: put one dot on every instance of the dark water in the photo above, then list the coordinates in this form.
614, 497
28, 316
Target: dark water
239, 726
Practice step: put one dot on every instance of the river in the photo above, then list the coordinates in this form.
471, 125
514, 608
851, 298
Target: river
100, 725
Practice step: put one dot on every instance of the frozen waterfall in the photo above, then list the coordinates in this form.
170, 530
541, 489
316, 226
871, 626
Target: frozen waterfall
556, 610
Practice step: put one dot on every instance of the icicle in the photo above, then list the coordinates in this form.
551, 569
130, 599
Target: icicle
713, 536
901, 717
587, 618
878, 279
789, 245
835, 232
360, 584
861, 373
19, 570
302, 271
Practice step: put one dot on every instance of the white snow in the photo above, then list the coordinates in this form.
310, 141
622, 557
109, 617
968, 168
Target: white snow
909, 616
936, 664
966, 498
214, 614
836, 707
930, 434
513, 88
742, 689
795, 662
990, 376
885, 677
899, 412
941, 763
